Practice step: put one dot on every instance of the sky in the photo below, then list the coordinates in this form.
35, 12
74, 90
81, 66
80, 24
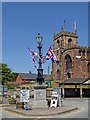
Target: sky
21, 22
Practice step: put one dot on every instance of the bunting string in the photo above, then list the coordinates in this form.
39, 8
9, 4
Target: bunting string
33, 60
34, 53
50, 55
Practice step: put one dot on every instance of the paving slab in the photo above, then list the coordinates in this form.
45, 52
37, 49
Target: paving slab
43, 111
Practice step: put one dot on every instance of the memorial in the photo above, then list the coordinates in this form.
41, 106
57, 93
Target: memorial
40, 96
40, 86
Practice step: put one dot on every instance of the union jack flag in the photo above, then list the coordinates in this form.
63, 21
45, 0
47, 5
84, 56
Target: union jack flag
33, 61
50, 55
34, 53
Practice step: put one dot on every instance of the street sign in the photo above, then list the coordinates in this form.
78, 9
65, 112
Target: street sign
3, 89
54, 99
25, 95
14, 95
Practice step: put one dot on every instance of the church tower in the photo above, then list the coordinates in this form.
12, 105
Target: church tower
66, 49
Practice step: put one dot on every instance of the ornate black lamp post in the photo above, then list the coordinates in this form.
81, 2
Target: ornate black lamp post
40, 78
40, 86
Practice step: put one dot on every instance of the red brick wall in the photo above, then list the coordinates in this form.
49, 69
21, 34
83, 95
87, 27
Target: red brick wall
79, 66
19, 80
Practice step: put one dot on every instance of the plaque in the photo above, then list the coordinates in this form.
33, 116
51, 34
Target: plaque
40, 95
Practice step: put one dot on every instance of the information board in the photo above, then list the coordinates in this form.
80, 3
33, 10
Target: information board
24, 95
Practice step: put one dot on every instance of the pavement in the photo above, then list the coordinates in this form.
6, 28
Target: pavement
39, 112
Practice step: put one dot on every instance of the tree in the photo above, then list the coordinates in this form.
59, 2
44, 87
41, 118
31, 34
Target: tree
5, 73
14, 76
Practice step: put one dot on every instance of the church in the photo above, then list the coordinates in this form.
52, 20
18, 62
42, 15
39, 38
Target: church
73, 61
72, 70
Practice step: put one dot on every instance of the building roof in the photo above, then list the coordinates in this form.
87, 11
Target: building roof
73, 81
29, 76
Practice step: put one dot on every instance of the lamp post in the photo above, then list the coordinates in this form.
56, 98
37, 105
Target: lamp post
40, 87
40, 78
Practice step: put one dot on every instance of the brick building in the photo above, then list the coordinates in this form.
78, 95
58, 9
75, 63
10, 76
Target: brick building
73, 61
26, 78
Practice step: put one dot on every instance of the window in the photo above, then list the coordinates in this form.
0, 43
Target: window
61, 42
69, 42
88, 53
58, 43
83, 53
68, 62
79, 52
58, 71
88, 66
69, 75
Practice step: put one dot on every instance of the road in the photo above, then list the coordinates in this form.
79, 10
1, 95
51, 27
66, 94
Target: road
82, 112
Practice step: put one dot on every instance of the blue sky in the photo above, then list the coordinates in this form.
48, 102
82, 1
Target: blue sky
22, 21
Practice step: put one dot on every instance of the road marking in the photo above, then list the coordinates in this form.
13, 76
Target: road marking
22, 116
81, 109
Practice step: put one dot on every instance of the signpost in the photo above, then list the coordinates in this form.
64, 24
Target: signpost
54, 99
2, 90
25, 95
58, 90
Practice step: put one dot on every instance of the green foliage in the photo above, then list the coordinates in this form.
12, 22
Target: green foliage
31, 95
12, 100
18, 101
10, 86
5, 73
14, 76
1, 100
17, 96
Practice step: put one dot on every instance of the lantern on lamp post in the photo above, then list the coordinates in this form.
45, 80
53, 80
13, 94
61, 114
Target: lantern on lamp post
40, 78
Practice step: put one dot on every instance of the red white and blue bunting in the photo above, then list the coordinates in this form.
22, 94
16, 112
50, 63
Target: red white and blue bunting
49, 55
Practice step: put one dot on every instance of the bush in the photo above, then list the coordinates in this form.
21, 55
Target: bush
18, 102
10, 86
12, 100
1, 100
31, 95
18, 96
9, 96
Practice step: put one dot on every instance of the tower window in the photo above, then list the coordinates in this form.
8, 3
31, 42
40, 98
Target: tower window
58, 43
88, 53
61, 42
79, 52
69, 42
83, 53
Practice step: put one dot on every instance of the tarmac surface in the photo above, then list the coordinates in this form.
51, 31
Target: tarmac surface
39, 112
